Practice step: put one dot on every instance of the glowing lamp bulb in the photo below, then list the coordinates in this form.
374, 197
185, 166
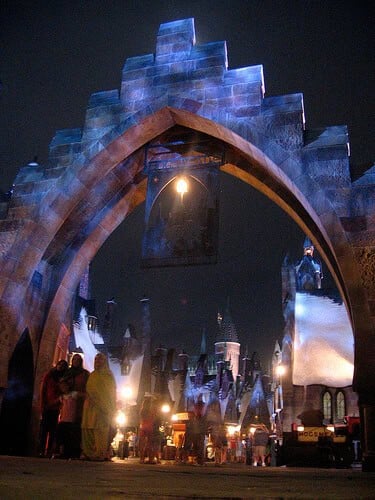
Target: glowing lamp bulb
166, 408
126, 392
121, 418
280, 370
182, 186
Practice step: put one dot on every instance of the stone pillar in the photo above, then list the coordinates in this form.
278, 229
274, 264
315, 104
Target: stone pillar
145, 382
367, 415
2, 391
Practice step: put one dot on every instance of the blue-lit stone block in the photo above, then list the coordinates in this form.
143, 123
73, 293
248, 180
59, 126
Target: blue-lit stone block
243, 75
210, 54
181, 25
174, 41
66, 136
169, 79
138, 62
104, 98
210, 72
289, 103
208, 62
181, 66
136, 74
218, 92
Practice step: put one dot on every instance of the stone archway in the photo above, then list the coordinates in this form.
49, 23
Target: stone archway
58, 217
16, 406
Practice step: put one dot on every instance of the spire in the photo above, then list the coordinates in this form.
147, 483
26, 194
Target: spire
109, 323
227, 329
307, 243
204, 342
246, 355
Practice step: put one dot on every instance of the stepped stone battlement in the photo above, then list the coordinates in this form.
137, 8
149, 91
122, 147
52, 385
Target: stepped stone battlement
195, 77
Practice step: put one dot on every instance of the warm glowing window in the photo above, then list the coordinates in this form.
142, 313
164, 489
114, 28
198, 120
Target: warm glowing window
340, 405
327, 405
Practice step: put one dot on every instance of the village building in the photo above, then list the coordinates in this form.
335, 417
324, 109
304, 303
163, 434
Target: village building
313, 366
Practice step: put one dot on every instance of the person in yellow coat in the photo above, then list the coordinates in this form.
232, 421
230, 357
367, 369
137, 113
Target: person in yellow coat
98, 411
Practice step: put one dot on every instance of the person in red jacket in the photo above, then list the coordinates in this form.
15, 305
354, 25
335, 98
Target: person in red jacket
77, 377
50, 393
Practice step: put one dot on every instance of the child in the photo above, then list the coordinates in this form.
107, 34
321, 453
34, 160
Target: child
67, 427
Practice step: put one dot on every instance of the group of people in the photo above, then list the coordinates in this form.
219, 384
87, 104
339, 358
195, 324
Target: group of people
223, 448
77, 414
77, 410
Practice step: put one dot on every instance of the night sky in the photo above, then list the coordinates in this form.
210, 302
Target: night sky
55, 55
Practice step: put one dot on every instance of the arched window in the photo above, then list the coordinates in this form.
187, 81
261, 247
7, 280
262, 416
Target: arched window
340, 405
327, 405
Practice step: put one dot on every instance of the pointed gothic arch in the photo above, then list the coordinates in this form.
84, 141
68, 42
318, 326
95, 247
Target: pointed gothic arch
16, 405
59, 217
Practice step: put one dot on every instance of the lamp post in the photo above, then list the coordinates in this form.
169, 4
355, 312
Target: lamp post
121, 421
165, 429
165, 409
122, 418
278, 401
126, 393
279, 372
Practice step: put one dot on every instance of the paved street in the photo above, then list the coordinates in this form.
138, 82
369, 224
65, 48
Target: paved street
24, 478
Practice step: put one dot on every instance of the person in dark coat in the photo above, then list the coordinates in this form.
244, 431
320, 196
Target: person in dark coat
260, 442
195, 434
50, 393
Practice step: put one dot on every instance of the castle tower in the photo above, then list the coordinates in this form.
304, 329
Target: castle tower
245, 368
204, 342
109, 322
227, 347
309, 269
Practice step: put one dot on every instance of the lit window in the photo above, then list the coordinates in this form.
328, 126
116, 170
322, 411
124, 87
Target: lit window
340, 405
327, 405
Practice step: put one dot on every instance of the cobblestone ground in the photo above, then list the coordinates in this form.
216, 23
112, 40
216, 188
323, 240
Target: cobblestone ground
24, 478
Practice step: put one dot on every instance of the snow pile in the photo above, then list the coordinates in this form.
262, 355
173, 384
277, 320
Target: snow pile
323, 343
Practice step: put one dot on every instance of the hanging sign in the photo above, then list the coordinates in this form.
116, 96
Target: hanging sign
182, 207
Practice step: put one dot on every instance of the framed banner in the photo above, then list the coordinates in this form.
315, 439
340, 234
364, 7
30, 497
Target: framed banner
182, 206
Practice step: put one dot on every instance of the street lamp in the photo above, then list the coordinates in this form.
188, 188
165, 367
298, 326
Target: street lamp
165, 408
182, 187
126, 393
279, 372
119, 439
121, 419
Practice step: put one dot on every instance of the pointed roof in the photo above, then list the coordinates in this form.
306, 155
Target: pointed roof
203, 342
227, 329
307, 243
